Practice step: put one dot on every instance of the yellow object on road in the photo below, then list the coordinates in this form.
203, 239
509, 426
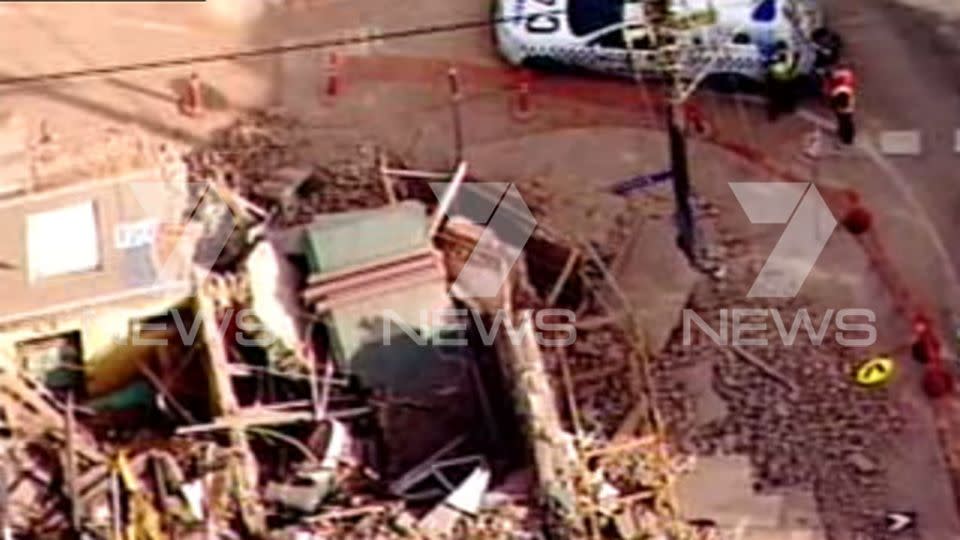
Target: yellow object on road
878, 370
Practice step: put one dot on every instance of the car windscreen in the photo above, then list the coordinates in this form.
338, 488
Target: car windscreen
586, 16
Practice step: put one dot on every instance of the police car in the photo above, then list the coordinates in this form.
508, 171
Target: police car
724, 37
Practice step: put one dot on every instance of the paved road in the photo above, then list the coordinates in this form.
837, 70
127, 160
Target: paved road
906, 52
906, 55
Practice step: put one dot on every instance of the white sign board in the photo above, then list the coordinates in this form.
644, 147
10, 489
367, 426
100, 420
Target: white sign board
62, 241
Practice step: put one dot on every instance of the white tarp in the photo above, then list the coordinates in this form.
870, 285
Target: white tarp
62, 241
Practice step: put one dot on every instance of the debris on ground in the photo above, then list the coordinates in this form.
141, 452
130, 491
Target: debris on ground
348, 383
794, 409
315, 372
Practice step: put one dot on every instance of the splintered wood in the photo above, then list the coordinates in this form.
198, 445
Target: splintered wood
587, 409
624, 468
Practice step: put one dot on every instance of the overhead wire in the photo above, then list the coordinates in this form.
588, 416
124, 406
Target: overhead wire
267, 51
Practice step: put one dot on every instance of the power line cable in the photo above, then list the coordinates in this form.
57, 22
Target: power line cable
266, 51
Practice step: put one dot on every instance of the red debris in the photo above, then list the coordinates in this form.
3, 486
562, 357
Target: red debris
857, 220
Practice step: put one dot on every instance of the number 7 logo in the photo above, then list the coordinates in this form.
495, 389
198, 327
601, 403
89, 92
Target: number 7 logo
809, 226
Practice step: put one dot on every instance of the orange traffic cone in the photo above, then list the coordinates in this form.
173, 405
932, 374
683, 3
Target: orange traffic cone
522, 108
191, 104
333, 75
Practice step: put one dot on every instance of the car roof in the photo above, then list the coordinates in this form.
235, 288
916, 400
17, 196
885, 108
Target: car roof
734, 11
730, 14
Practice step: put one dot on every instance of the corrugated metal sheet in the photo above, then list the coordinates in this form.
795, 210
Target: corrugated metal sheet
365, 329
354, 238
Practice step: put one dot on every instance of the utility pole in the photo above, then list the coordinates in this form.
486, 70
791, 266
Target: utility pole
669, 36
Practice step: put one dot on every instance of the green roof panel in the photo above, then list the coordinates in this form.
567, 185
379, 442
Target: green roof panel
349, 239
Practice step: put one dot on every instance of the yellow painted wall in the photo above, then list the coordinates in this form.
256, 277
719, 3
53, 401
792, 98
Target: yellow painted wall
110, 357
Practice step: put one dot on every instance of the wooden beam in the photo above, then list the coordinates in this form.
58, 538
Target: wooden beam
440, 214
44, 418
116, 510
628, 428
629, 445
323, 404
257, 416
226, 405
70, 471
412, 173
165, 392
386, 178
349, 513
571, 397
218, 366
563, 278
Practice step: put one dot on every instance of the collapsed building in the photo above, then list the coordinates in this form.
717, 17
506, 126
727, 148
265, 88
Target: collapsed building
339, 352
83, 272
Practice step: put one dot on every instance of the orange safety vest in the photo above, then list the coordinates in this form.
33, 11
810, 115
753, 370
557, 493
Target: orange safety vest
842, 81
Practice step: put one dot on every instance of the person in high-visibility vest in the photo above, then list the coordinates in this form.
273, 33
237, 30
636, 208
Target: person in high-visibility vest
841, 91
782, 73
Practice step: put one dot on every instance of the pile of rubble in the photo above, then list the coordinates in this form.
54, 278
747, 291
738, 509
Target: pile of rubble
55, 161
270, 160
794, 410
279, 424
